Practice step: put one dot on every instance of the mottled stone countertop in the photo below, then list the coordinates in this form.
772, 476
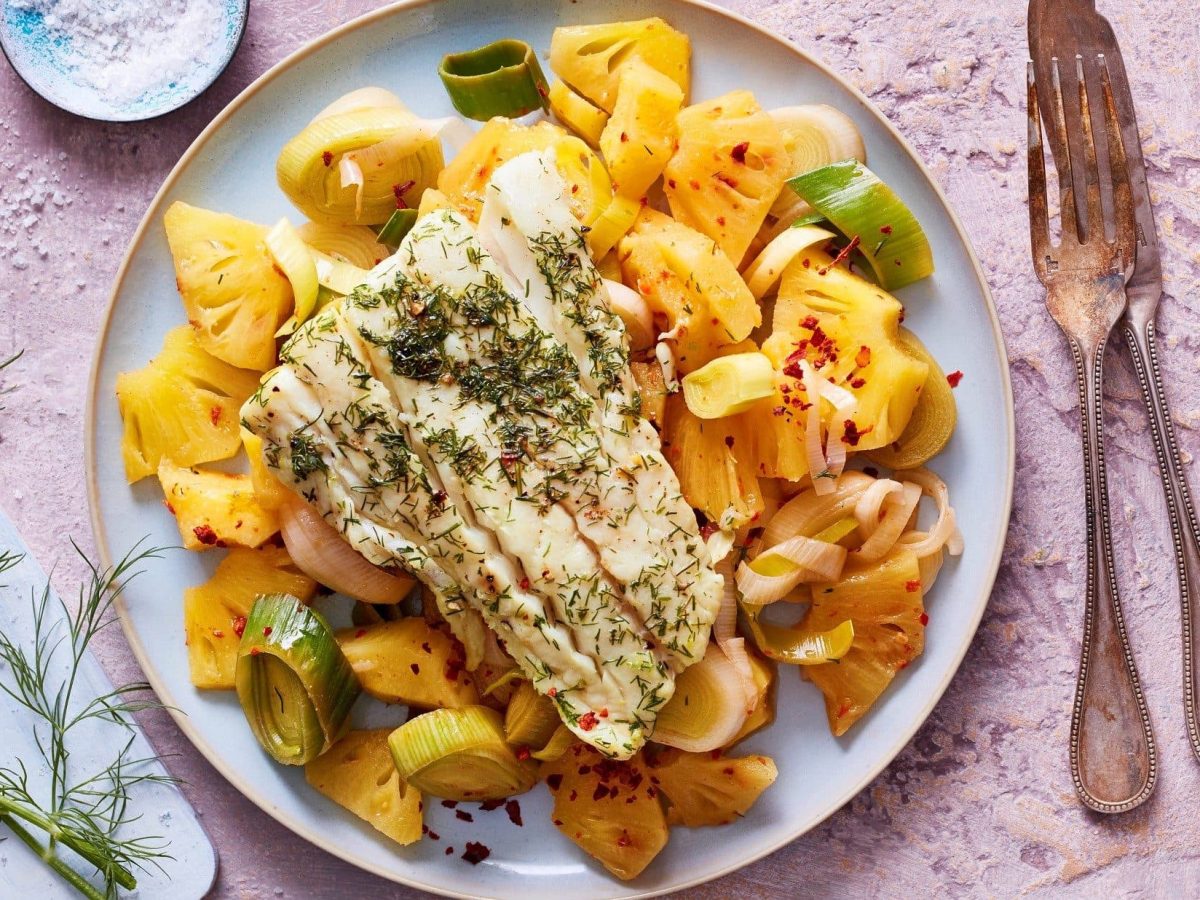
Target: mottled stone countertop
981, 803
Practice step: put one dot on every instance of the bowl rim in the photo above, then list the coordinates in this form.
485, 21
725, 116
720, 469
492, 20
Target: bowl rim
904, 736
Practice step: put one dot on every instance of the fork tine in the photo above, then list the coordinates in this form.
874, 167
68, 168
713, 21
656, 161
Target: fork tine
1066, 178
1094, 226
1124, 221
1039, 216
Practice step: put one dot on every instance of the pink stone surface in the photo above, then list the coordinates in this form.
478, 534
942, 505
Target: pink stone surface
981, 803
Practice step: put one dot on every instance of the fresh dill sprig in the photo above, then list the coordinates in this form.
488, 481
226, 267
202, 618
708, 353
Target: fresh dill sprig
81, 812
4, 364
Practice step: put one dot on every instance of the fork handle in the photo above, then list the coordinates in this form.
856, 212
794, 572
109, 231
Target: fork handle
1184, 531
1113, 760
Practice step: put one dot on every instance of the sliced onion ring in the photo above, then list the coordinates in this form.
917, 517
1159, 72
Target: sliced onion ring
944, 532
807, 512
887, 531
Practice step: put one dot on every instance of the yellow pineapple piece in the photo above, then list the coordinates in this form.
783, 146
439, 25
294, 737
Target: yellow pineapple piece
695, 293
268, 490
215, 509
730, 166
184, 406
577, 113
214, 614
714, 463
233, 294
465, 179
652, 389
610, 809
707, 790
640, 137
409, 661
885, 602
358, 773
590, 57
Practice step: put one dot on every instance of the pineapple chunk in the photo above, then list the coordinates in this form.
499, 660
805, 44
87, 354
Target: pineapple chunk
640, 137
465, 179
695, 293
610, 809
858, 344
268, 490
184, 406
652, 389
730, 166
358, 773
590, 57
707, 790
214, 614
884, 600
234, 295
714, 464
409, 661
763, 713
215, 509
577, 113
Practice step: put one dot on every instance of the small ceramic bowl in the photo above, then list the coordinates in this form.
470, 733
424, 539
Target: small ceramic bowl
44, 54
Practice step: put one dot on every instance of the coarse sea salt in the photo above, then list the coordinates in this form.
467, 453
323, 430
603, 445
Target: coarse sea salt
129, 50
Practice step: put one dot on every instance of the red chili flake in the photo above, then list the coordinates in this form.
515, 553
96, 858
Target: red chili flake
513, 808
871, 470
694, 184
239, 625
476, 852
574, 796
553, 692
886, 229
729, 441
425, 646
218, 633
862, 359
843, 709
587, 721
708, 529
205, 534
600, 793
728, 770
806, 262
716, 754
360, 632
449, 851
215, 415
399, 190
624, 840
721, 221
464, 815
489, 805
852, 435
554, 782
604, 713
856, 383
671, 183
416, 669
842, 254
523, 753
434, 836
327, 158
170, 508
924, 619
739, 152
722, 177
954, 378
903, 665
624, 137
449, 804
524, 583
267, 631
912, 586
254, 651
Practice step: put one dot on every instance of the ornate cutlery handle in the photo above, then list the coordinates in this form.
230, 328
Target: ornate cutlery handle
1184, 531
1113, 760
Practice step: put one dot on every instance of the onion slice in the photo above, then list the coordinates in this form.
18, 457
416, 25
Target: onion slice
808, 513
321, 553
762, 274
798, 560
883, 537
725, 634
634, 312
708, 709
944, 532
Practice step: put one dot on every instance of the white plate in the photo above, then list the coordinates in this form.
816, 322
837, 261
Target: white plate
231, 168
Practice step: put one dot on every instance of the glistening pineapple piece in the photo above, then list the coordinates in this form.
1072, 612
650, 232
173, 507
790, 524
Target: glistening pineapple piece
215, 509
640, 136
409, 661
707, 789
183, 407
234, 295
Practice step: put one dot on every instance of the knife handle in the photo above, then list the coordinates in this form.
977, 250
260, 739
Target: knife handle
1184, 531
1113, 760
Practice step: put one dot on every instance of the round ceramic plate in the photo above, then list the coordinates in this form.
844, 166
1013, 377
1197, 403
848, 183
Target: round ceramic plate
231, 168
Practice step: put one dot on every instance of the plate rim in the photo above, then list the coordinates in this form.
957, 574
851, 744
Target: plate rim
200, 742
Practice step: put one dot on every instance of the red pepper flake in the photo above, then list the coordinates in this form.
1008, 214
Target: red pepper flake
416, 669
671, 183
843, 709
476, 852
489, 805
924, 618
708, 529
513, 808
554, 782
215, 415
624, 840
852, 435
360, 632
600, 793
327, 158
862, 359
434, 836
912, 586
267, 631
449, 804
727, 179
886, 229
624, 138
954, 378
728, 770
205, 534
425, 646
399, 190
449, 851
729, 441
587, 721
871, 470
254, 651
464, 815
739, 152
856, 383
604, 713
524, 583
716, 754
170, 508
806, 262
842, 254
553, 692
523, 753
239, 625
218, 633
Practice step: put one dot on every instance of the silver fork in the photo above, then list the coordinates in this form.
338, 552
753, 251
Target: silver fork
1113, 760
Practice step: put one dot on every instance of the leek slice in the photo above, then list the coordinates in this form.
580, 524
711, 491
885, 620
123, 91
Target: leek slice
460, 754
354, 244
399, 225
559, 743
531, 718
838, 530
933, 419
729, 385
295, 685
577, 113
610, 226
340, 277
708, 709
862, 207
292, 257
795, 647
502, 78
